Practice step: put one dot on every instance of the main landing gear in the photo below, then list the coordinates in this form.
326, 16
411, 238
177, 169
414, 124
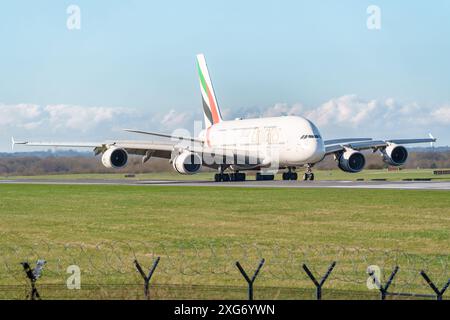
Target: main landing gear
219, 177
290, 175
309, 175
225, 177
264, 177
237, 176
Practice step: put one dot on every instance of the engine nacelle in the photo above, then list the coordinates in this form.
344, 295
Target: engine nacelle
351, 161
115, 158
395, 155
187, 163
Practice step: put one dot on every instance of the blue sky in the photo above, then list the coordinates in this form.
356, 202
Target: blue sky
132, 64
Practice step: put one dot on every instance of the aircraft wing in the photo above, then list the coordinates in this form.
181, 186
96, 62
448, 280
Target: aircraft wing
160, 149
372, 144
156, 134
55, 144
132, 147
344, 140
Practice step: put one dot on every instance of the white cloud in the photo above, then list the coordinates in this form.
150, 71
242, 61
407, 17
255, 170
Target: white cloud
283, 109
351, 115
174, 119
348, 115
442, 115
82, 118
64, 122
352, 111
18, 115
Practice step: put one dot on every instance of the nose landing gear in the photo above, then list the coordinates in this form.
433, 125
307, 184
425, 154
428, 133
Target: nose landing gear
309, 175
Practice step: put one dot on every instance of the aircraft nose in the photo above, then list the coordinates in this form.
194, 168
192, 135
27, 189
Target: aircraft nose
316, 150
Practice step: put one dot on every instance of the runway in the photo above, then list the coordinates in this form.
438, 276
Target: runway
403, 185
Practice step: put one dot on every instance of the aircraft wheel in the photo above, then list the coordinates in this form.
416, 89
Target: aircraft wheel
217, 177
311, 176
265, 177
306, 177
290, 175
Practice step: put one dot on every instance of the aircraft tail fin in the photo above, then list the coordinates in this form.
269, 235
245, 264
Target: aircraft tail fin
211, 109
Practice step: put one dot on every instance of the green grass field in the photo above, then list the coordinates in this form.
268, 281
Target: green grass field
320, 175
200, 232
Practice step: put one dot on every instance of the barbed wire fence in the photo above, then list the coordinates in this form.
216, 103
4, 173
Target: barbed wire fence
197, 270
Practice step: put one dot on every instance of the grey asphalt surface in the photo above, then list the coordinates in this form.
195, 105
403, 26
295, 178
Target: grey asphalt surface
420, 185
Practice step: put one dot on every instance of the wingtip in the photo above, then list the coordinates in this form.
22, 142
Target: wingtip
433, 140
12, 143
431, 136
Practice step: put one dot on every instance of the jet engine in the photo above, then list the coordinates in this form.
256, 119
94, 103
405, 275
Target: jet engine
351, 161
115, 158
394, 155
187, 163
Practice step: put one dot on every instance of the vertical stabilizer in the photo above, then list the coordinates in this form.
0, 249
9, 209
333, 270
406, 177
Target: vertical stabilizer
211, 110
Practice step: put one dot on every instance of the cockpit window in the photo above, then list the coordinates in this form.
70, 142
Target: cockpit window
310, 136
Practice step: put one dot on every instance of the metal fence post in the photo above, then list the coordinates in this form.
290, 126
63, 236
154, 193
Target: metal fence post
439, 293
384, 289
33, 275
318, 284
148, 277
247, 278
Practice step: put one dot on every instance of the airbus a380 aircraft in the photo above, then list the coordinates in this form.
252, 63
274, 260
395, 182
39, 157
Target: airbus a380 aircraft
231, 147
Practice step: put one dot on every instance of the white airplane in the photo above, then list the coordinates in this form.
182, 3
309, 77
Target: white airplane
286, 143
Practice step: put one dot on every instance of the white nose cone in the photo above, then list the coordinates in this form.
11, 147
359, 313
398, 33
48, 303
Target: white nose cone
312, 151
315, 147
315, 150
